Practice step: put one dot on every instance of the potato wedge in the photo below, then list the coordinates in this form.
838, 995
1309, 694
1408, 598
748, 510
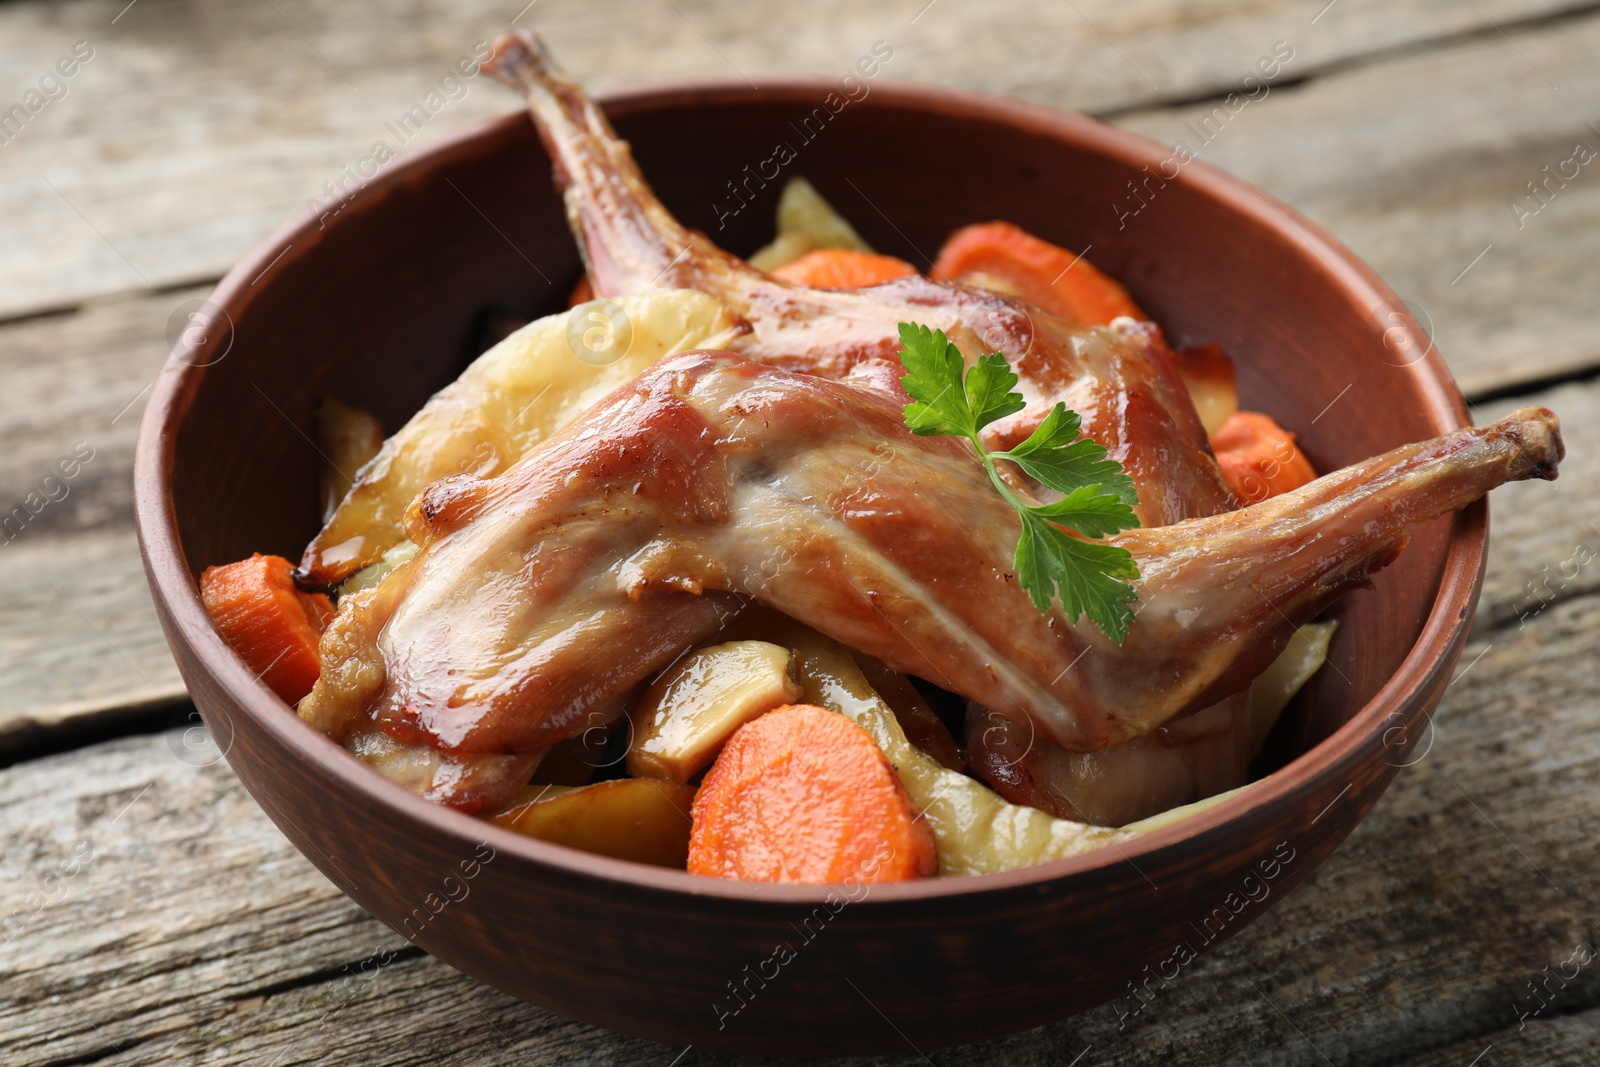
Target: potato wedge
783, 250
1209, 375
1302, 657
348, 439
806, 222
512, 397
689, 713
639, 819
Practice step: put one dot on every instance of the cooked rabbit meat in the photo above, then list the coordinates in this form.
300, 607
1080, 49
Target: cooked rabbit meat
1188, 759
624, 540
1121, 381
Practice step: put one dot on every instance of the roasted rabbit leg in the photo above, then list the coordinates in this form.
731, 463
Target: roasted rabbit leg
541, 593
1121, 381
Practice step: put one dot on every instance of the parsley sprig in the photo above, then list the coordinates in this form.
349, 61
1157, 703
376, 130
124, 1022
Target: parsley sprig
1090, 577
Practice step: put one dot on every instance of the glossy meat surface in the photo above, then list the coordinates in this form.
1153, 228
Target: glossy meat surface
710, 478
1121, 381
512, 397
1185, 760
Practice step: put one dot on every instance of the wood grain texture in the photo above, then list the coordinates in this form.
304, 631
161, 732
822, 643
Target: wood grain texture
1416, 167
196, 128
216, 943
78, 635
1544, 540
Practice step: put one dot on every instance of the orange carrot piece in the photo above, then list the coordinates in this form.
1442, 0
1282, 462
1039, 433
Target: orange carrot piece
804, 795
271, 624
1046, 275
841, 268
1259, 458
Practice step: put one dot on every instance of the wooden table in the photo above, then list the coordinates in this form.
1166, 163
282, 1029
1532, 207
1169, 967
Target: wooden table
150, 913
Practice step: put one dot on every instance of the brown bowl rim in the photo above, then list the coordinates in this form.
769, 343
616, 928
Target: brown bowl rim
174, 583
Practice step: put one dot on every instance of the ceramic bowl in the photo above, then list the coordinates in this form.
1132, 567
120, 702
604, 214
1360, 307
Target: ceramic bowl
379, 300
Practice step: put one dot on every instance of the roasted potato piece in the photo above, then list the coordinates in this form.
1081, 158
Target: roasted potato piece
806, 222
639, 819
1302, 657
1209, 375
689, 712
512, 397
348, 439
783, 250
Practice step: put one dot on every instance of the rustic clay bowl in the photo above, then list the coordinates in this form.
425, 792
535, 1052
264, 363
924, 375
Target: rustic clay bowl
380, 303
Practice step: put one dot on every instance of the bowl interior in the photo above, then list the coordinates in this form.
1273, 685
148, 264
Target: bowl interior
381, 303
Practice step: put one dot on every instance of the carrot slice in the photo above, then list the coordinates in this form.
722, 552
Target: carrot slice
1259, 458
1046, 275
841, 268
804, 795
271, 624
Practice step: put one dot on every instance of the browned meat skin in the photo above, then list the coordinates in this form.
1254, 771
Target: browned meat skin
1187, 759
471, 782
598, 558
1121, 381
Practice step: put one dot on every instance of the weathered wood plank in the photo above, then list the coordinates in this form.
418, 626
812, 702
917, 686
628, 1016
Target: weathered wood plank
196, 128
79, 639
1417, 162
1560, 1039
196, 934
1544, 537
78, 633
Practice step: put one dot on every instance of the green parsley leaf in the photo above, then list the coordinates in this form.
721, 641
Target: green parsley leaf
1056, 456
989, 387
1089, 577
933, 378
1090, 510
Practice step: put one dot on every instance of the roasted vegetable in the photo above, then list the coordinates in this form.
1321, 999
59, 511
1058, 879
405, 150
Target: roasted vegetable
272, 625
511, 398
837, 268
804, 795
367, 577
639, 819
1259, 458
688, 714
806, 222
1060, 281
1302, 657
1209, 375
348, 438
